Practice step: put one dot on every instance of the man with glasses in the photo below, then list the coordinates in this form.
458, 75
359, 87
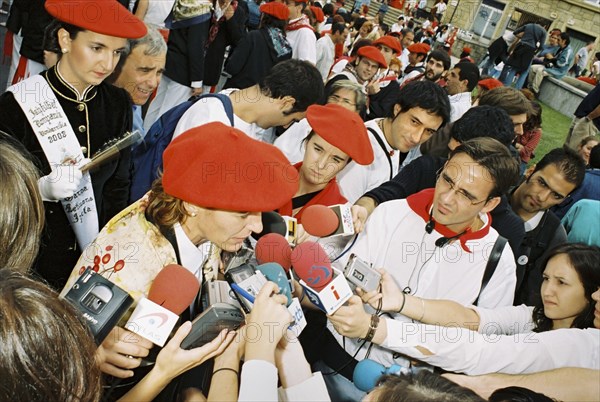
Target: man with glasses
556, 176
435, 244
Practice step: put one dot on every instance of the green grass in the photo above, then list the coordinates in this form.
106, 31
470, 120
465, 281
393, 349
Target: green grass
555, 127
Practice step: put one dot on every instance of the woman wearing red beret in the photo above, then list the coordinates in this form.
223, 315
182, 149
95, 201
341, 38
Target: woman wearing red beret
215, 184
64, 116
338, 136
260, 50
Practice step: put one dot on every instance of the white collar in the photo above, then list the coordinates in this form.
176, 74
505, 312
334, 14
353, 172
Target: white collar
192, 256
534, 221
79, 95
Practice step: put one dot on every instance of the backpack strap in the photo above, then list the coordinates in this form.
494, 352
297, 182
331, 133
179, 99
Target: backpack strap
492, 263
385, 151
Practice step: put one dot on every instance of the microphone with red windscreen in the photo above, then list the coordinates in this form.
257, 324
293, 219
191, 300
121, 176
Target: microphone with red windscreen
312, 265
172, 291
273, 247
320, 221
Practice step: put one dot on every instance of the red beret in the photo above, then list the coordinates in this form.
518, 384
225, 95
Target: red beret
106, 17
343, 129
276, 9
318, 13
390, 42
372, 53
422, 48
490, 83
218, 166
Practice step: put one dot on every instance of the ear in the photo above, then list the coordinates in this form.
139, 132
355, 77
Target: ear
397, 109
287, 103
64, 39
490, 205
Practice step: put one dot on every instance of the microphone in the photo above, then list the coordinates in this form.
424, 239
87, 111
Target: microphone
274, 247
272, 223
430, 226
442, 241
324, 286
312, 265
275, 273
172, 291
367, 372
322, 221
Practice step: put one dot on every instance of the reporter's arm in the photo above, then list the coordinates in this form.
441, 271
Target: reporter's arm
564, 384
173, 361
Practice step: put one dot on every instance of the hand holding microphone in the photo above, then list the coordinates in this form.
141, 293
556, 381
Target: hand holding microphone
114, 355
351, 319
267, 323
391, 297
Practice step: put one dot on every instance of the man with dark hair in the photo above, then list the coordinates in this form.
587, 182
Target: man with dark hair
369, 60
589, 189
300, 33
417, 52
279, 99
435, 244
420, 110
555, 65
554, 178
326, 48
461, 80
508, 99
437, 63
421, 173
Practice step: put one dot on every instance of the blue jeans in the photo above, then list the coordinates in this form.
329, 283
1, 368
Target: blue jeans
508, 75
487, 66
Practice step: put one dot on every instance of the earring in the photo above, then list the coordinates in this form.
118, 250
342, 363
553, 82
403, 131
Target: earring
65, 50
193, 214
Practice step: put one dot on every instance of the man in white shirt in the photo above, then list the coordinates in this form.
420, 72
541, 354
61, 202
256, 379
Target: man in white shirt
435, 244
326, 48
300, 33
460, 81
280, 99
419, 111
408, 38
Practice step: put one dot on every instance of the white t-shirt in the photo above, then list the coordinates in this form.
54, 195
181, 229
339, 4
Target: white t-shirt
208, 110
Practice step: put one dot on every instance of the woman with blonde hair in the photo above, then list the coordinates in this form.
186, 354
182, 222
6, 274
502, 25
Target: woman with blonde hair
22, 211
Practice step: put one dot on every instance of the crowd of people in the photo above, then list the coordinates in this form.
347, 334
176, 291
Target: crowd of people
135, 139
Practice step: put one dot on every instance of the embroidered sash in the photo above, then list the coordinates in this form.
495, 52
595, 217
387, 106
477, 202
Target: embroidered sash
60, 145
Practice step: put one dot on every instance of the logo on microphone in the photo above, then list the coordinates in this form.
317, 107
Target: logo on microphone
155, 320
335, 293
317, 275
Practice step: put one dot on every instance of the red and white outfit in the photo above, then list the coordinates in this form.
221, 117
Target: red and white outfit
395, 239
302, 39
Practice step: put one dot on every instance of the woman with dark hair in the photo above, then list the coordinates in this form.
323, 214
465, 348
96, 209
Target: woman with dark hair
66, 115
337, 136
564, 318
260, 50
532, 134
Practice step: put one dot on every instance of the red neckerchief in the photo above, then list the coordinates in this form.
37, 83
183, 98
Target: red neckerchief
302, 22
421, 204
330, 195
